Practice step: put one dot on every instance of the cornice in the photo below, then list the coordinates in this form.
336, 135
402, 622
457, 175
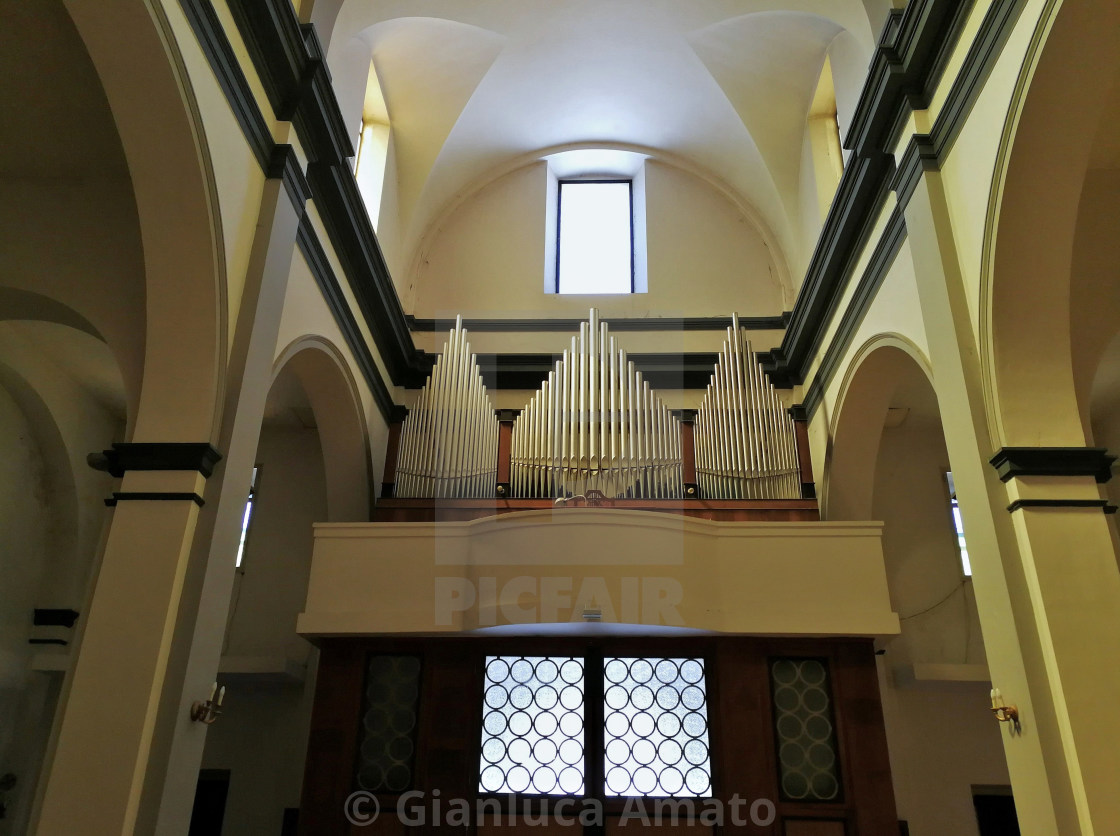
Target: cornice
1016, 462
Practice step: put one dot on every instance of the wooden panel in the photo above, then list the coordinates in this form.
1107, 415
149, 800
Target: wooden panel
810, 827
863, 739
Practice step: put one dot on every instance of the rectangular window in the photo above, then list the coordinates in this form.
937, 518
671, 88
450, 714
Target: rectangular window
595, 246
808, 757
957, 524
247, 517
533, 726
544, 731
387, 752
656, 728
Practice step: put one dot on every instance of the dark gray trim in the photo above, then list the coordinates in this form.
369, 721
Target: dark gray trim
344, 217
847, 228
1061, 503
1016, 462
154, 496
507, 414
317, 263
798, 412
280, 60
398, 413
691, 370
993, 33
284, 165
41, 617
685, 416
919, 156
227, 69
153, 455
661, 323
883, 256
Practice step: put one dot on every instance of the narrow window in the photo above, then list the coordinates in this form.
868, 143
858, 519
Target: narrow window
247, 516
387, 751
595, 248
656, 728
805, 730
533, 726
958, 525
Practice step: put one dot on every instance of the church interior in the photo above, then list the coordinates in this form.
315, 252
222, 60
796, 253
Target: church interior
428, 415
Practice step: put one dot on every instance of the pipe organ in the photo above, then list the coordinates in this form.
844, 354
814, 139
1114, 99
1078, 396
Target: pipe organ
595, 424
745, 442
449, 440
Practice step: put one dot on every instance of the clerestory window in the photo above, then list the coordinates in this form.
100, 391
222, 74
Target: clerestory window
595, 236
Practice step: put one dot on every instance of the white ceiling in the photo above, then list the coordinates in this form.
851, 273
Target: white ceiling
475, 88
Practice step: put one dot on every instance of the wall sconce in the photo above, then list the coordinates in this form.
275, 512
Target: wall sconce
1004, 713
207, 712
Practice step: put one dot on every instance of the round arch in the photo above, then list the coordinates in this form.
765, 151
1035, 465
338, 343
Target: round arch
1032, 225
146, 84
330, 387
869, 383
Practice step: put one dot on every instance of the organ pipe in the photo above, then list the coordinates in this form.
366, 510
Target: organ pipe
449, 439
595, 424
745, 442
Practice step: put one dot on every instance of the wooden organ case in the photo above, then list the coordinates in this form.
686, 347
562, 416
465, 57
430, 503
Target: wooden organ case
594, 728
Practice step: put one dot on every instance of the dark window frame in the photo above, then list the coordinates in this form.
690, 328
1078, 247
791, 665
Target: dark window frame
594, 655
629, 181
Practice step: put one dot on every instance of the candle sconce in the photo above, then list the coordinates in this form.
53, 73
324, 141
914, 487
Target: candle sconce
1004, 713
209, 711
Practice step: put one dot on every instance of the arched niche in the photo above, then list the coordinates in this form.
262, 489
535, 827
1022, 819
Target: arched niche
1052, 181
869, 386
332, 394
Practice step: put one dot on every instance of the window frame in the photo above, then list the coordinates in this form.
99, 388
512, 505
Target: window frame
594, 657
560, 183
251, 501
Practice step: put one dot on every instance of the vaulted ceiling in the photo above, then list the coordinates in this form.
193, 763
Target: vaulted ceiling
475, 89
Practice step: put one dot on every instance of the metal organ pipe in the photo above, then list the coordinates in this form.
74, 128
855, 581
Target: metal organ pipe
603, 427
449, 439
745, 442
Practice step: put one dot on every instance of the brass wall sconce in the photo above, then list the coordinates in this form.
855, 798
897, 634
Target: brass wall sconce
1004, 713
209, 711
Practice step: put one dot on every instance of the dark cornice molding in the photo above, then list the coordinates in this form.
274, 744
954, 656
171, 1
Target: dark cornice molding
347, 224
154, 496
284, 165
920, 155
1015, 462
665, 323
1062, 503
45, 617
882, 257
223, 61
153, 455
308, 242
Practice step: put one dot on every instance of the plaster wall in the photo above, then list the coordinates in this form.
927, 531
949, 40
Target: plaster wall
704, 256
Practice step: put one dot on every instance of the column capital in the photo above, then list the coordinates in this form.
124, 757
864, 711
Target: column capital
1014, 462
155, 455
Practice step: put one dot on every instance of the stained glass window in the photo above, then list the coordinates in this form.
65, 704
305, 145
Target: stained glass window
386, 756
806, 733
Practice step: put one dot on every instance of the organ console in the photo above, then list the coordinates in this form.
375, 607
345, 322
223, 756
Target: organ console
596, 425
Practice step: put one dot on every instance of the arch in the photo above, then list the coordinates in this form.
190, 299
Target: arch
1032, 223
870, 382
330, 387
145, 81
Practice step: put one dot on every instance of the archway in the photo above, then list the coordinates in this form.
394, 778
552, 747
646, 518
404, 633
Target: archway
889, 462
312, 465
61, 395
1039, 291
